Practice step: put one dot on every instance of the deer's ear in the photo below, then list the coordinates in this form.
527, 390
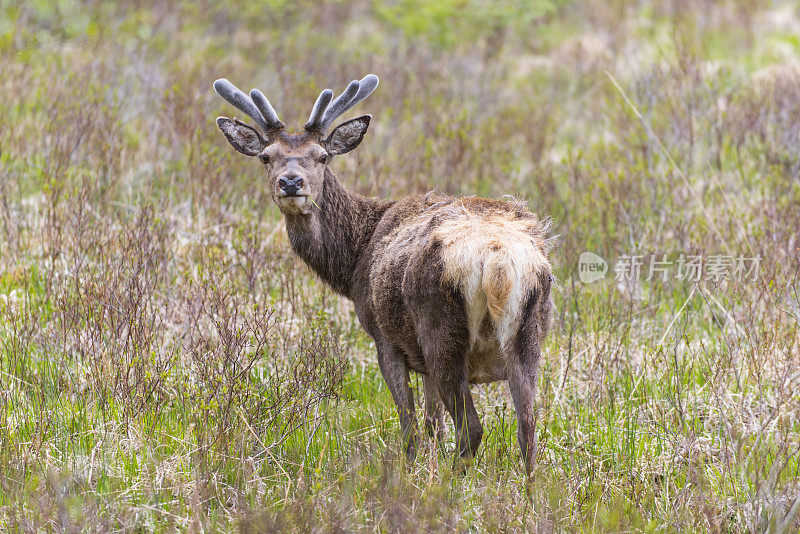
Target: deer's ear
347, 135
241, 136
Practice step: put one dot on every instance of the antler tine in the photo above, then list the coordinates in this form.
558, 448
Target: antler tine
241, 101
266, 109
315, 120
338, 106
365, 88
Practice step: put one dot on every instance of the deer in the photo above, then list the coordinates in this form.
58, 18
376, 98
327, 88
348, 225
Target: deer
455, 289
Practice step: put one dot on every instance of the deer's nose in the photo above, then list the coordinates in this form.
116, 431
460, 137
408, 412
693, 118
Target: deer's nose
290, 183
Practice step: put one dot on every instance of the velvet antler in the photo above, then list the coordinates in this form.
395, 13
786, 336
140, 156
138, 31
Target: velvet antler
256, 105
325, 111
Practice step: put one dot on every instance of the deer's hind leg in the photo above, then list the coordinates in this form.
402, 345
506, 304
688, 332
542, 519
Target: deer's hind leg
445, 351
443, 337
524, 355
457, 399
434, 410
440, 321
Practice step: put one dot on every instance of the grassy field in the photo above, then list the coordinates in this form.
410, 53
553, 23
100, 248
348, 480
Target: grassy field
166, 363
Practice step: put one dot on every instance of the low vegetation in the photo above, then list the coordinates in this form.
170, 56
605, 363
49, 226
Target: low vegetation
166, 362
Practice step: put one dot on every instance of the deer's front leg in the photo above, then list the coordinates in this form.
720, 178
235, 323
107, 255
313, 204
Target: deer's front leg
395, 372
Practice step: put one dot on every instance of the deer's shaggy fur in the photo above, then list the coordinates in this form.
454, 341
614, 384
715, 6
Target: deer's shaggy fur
491, 252
457, 289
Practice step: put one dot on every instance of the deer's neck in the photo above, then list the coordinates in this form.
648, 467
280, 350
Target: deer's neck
334, 236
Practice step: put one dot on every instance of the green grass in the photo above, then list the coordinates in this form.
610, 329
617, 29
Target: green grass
166, 363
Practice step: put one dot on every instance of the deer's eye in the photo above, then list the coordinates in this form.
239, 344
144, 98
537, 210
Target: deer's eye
264, 159
323, 159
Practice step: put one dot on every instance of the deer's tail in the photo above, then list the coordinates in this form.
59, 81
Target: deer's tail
511, 276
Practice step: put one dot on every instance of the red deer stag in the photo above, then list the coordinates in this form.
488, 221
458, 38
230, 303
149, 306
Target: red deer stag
456, 289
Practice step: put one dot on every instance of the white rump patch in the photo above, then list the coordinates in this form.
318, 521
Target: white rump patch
495, 259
